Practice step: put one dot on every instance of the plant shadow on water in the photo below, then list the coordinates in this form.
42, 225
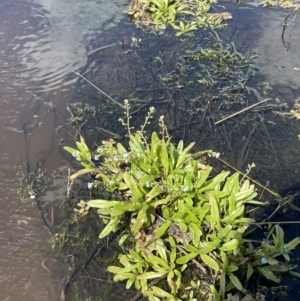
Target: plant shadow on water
194, 86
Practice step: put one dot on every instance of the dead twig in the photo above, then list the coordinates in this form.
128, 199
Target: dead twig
242, 111
43, 265
114, 101
69, 186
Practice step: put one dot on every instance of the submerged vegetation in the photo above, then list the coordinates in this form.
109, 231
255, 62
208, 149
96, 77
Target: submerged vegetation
182, 229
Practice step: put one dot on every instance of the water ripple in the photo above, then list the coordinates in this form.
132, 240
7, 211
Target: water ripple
49, 40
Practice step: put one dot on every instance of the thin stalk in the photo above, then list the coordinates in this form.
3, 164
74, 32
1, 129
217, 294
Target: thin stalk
242, 111
114, 101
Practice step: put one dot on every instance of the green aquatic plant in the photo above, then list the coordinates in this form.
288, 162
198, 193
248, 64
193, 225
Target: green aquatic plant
176, 219
183, 28
156, 14
282, 3
164, 10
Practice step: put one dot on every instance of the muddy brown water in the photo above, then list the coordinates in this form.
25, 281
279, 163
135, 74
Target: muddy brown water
41, 42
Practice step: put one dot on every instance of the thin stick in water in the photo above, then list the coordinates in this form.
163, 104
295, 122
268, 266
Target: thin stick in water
115, 102
242, 111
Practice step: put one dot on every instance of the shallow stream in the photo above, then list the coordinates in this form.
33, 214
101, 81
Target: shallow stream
41, 43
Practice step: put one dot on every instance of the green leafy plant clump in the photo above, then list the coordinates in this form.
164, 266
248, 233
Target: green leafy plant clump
180, 227
185, 16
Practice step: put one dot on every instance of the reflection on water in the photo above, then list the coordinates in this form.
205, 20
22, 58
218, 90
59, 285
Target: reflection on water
45, 40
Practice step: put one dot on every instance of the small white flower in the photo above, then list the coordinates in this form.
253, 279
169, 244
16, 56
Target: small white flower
115, 158
152, 109
125, 155
96, 158
111, 182
185, 188
147, 184
90, 185
263, 260
217, 155
32, 197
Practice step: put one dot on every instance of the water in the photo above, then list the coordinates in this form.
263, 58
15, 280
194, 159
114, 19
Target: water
41, 42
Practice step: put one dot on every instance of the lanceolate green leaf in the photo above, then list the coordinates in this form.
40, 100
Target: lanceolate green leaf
157, 261
160, 202
210, 246
230, 245
214, 210
268, 274
224, 232
231, 186
84, 150
197, 233
235, 281
202, 176
249, 271
211, 184
191, 249
103, 203
152, 275
154, 192
279, 237
114, 269
180, 147
184, 156
130, 281
210, 262
202, 211
160, 292
137, 194
121, 149
186, 258
123, 276
231, 268
135, 144
163, 229
244, 220
245, 195
161, 249
80, 173
136, 256
233, 215
110, 227
140, 219
293, 244
155, 142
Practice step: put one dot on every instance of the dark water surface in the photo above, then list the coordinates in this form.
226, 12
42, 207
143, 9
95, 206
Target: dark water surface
41, 42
